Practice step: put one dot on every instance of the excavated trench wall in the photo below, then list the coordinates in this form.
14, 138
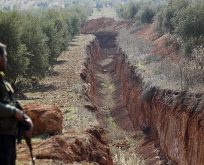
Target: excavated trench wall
173, 120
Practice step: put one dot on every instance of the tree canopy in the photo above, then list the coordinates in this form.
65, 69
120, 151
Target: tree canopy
35, 39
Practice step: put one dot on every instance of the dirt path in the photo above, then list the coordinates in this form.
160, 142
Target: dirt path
64, 88
113, 115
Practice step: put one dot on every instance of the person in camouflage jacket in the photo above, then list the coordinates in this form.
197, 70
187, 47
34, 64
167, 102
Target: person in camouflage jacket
10, 115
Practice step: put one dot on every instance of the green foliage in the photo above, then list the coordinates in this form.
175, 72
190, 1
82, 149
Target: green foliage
164, 20
75, 25
147, 15
35, 39
185, 19
188, 46
166, 16
53, 36
127, 11
36, 43
61, 27
120, 10
131, 10
10, 28
99, 5
189, 22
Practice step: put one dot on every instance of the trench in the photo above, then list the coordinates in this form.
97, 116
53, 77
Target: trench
107, 96
170, 123
112, 112
145, 124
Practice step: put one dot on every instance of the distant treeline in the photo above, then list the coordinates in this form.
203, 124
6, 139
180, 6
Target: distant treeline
183, 18
35, 39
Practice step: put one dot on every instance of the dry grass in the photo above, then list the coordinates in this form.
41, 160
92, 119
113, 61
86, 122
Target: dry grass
167, 68
133, 46
192, 69
159, 71
104, 12
125, 147
123, 157
78, 119
55, 162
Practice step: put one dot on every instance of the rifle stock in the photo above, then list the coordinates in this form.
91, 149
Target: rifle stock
23, 126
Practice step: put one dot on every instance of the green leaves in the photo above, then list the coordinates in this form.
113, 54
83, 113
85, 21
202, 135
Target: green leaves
127, 11
142, 10
189, 22
186, 20
10, 33
36, 43
147, 15
35, 39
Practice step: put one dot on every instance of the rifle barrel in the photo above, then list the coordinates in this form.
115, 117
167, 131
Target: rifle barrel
29, 144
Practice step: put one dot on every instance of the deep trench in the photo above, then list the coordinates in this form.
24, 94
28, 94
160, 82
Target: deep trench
108, 87
170, 122
107, 96
112, 112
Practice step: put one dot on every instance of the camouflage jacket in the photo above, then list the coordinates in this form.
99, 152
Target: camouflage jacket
8, 122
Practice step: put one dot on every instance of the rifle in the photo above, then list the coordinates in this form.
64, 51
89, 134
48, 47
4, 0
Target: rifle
23, 126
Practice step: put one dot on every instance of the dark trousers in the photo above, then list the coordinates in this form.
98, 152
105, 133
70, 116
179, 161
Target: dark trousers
7, 150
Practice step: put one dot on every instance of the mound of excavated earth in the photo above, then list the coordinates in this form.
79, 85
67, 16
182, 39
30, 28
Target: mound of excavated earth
47, 119
72, 147
101, 24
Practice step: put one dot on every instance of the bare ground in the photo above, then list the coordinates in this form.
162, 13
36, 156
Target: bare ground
64, 88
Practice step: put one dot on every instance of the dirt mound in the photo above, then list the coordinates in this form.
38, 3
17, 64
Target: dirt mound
72, 147
47, 119
161, 44
101, 24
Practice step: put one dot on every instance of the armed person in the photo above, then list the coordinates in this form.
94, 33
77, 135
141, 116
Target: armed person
11, 115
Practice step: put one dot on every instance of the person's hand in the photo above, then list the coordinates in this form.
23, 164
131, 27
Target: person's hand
28, 133
19, 114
